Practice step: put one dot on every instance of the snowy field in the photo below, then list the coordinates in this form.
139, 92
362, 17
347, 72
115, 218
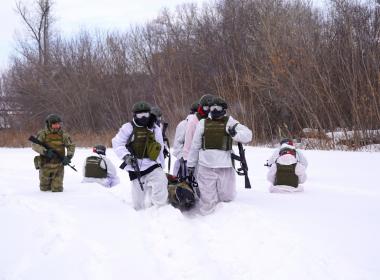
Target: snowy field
331, 231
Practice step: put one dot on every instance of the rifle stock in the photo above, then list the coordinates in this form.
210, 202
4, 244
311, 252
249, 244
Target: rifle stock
243, 170
35, 140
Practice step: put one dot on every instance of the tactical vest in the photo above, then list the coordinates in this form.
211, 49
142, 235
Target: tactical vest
286, 175
93, 169
144, 144
215, 135
55, 141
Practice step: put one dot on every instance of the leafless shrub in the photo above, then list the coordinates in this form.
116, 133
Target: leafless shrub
281, 65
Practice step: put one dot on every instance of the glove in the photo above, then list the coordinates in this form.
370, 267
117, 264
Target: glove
166, 152
190, 171
66, 161
49, 153
128, 159
232, 130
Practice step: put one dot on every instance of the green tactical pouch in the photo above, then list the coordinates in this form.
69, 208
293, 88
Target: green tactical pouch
37, 162
153, 150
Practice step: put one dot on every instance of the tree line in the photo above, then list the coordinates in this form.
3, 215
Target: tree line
281, 65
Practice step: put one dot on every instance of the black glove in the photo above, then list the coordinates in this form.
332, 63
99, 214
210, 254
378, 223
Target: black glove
232, 130
128, 159
66, 160
190, 171
166, 152
49, 153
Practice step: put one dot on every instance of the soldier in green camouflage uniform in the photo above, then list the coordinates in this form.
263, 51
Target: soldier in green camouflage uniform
51, 168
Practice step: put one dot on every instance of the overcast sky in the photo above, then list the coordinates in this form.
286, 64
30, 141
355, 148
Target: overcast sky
74, 15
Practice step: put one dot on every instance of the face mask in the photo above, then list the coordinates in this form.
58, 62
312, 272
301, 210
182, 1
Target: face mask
216, 114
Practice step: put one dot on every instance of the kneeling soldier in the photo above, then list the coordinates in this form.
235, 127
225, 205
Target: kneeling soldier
286, 173
211, 149
99, 169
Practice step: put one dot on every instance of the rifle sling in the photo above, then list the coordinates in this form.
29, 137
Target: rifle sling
134, 175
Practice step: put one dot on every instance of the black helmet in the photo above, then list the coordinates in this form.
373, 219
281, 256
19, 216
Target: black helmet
52, 118
99, 149
156, 112
141, 106
206, 100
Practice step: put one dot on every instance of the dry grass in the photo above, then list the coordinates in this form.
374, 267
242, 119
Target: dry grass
19, 139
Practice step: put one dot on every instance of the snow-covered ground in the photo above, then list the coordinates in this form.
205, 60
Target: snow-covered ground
331, 231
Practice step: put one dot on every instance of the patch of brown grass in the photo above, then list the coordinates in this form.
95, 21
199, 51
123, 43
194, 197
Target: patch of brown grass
19, 139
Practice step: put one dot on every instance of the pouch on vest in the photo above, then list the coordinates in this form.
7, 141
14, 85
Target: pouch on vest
153, 150
93, 168
37, 162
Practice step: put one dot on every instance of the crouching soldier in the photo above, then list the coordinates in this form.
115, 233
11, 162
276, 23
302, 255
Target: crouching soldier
141, 149
286, 173
99, 169
50, 165
211, 149
276, 153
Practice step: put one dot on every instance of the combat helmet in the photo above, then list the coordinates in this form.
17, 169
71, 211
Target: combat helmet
52, 118
206, 100
220, 102
99, 149
141, 106
156, 112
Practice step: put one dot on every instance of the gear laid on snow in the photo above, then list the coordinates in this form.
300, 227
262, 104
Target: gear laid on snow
181, 195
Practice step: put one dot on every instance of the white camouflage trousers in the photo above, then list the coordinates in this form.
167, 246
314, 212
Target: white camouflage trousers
215, 185
155, 192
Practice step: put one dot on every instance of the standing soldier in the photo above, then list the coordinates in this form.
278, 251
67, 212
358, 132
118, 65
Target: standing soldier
51, 165
141, 149
211, 151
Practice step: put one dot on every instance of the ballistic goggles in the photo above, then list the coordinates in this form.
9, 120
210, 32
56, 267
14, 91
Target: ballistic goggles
216, 107
142, 115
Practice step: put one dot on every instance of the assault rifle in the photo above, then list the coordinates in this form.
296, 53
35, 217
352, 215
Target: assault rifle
46, 146
135, 165
243, 170
166, 140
